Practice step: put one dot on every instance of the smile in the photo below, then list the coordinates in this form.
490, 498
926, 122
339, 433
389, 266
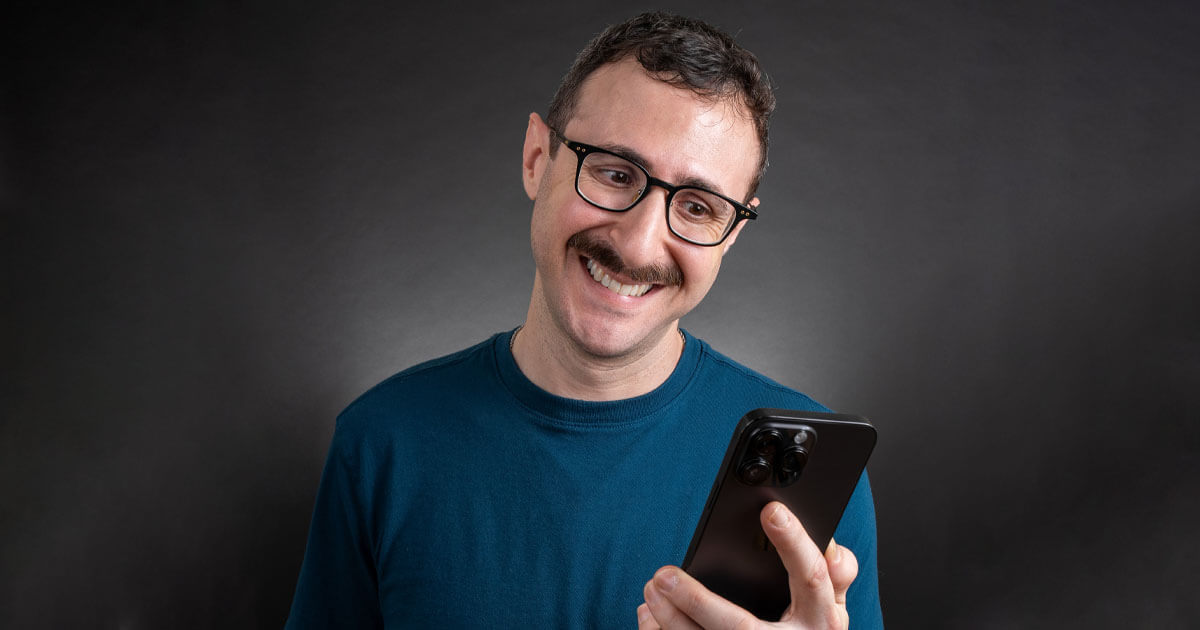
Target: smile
631, 290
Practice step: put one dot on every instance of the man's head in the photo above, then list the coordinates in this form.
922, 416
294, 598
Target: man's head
683, 52
614, 282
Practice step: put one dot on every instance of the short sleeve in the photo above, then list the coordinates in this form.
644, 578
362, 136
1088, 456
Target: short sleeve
338, 584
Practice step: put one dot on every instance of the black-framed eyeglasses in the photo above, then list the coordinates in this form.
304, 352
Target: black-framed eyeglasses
615, 183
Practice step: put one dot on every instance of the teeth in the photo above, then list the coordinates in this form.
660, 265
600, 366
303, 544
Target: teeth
632, 290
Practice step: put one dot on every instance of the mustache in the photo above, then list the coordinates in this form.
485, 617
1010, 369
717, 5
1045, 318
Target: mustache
607, 257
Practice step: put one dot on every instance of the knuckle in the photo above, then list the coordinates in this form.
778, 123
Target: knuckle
818, 574
836, 619
787, 544
691, 600
832, 618
747, 622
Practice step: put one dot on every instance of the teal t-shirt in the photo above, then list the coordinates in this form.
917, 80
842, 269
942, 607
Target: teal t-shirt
458, 494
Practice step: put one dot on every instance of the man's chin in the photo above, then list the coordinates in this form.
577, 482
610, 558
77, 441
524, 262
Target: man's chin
614, 344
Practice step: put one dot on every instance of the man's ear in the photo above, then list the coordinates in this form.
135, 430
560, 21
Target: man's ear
725, 247
535, 155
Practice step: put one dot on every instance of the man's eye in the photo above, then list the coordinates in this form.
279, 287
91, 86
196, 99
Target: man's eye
611, 176
697, 210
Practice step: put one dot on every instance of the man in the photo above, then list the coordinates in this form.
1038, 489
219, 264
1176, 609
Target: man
544, 477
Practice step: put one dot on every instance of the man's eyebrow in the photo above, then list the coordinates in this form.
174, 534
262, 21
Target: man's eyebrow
633, 156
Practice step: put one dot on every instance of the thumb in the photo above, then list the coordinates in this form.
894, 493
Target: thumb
843, 568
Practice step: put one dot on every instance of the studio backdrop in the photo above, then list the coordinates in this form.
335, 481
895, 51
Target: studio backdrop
223, 221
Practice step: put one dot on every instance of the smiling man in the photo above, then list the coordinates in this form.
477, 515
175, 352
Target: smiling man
552, 475
614, 274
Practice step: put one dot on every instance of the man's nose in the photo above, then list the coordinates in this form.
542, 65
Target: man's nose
641, 232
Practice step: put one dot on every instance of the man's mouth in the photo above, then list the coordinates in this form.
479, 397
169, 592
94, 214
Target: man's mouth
601, 276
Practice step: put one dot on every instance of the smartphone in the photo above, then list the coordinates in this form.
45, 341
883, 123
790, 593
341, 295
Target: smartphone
809, 461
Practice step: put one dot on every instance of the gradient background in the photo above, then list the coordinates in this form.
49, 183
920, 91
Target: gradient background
221, 223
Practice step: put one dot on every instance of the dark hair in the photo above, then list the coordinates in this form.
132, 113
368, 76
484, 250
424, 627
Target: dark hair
680, 51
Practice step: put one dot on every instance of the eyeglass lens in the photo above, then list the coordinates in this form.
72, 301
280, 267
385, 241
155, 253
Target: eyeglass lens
615, 183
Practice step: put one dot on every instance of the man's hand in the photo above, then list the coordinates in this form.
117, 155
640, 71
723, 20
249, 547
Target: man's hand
818, 585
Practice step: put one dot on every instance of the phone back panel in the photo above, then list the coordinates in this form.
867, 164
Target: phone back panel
730, 553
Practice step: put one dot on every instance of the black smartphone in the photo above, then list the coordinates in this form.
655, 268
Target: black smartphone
809, 461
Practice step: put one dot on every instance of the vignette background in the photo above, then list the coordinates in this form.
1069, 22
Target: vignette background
222, 222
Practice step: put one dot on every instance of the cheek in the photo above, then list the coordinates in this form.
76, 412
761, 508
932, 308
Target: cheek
555, 218
558, 214
540, 230
703, 267
547, 206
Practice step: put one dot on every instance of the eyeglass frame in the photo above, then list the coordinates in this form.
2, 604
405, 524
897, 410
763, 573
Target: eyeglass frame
581, 151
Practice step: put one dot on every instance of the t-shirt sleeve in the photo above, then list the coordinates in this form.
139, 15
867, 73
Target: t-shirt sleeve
857, 532
338, 585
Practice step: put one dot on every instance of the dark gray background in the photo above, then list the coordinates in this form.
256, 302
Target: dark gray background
222, 222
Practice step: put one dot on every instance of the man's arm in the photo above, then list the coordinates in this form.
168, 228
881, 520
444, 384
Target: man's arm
818, 584
337, 586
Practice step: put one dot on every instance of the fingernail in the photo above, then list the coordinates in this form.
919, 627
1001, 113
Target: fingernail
835, 551
643, 612
779, 517
651, 593
666, 581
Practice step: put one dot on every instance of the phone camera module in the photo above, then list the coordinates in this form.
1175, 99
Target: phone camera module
754, 472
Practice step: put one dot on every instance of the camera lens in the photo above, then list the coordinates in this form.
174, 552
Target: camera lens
766, 442
793, 460
754, 471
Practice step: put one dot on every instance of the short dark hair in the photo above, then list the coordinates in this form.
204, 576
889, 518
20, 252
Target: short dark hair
683, 52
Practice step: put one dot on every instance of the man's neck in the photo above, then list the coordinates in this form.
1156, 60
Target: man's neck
552, 361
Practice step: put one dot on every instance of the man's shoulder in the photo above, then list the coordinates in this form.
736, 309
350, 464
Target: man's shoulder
723, 373
437, 381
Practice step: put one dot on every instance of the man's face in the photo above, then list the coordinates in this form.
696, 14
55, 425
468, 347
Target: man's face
679, 138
